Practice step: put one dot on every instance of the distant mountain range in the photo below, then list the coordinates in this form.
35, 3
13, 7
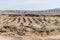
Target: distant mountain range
50, 11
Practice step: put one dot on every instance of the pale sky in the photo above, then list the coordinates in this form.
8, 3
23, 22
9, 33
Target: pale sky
29, 4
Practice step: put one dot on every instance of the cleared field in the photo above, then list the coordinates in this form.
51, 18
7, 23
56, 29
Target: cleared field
30, 26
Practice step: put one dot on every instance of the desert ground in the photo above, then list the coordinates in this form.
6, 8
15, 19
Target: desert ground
21, 27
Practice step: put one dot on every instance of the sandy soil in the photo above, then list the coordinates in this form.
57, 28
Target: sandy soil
29, 28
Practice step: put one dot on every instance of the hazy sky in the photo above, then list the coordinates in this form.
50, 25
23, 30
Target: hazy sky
29, 4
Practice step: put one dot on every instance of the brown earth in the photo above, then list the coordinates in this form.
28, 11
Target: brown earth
30, 27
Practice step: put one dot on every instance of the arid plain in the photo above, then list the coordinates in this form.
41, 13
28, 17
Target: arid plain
29, 27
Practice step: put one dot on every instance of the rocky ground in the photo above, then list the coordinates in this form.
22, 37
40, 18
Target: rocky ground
30, 27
